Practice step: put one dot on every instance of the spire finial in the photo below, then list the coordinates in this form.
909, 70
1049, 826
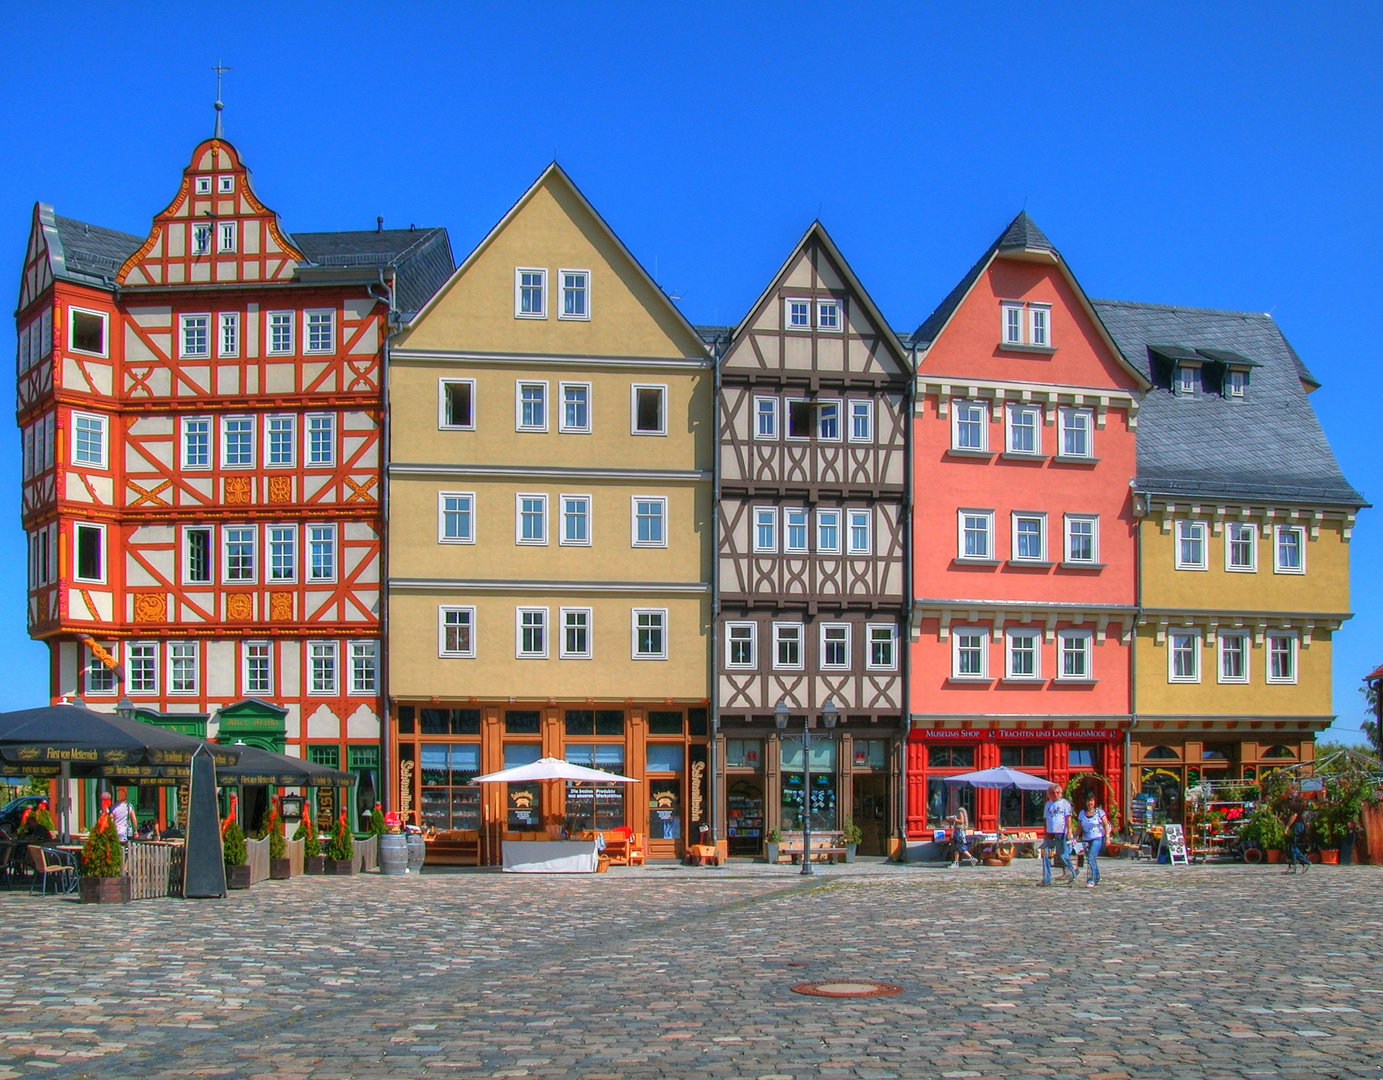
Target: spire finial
220, 70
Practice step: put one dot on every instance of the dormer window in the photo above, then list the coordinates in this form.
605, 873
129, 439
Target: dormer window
1236, 383
1187, 377
1026, 325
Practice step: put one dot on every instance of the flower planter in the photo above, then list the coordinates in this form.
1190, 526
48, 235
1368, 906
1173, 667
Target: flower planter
850, 852
104, 890
1314, 856
1274, 855
1112, 850
340, 866
280, 869
1330, 857
771, 853
238, 877
314, 864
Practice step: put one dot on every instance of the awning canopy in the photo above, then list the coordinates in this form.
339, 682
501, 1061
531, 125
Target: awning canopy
550, 768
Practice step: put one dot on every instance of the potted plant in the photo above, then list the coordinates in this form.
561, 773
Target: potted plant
103, 879
236, 856
314, 861
280, 865
1263, 832
378, 826
771, 842
851, 836
340, 851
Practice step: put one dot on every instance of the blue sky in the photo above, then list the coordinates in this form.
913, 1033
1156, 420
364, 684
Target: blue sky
1211, 155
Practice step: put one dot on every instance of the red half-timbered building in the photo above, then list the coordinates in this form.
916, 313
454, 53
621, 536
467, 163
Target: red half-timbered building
202, 415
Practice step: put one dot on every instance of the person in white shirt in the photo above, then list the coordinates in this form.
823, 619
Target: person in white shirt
123, 816
1094, 827
1056, 812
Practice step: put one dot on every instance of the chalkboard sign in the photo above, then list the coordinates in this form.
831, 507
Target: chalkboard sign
204, 865
1174, 843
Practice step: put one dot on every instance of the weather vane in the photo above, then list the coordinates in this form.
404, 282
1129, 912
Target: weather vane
220, 70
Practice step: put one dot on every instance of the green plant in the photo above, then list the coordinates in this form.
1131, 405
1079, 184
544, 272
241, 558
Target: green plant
851, 833
41, 816
774, 836
273, 827
102, 856
377, 820
1111, 804
340, 847
34, 785
233, 845
1263, 829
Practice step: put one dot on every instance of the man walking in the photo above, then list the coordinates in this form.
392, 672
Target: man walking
1057, 813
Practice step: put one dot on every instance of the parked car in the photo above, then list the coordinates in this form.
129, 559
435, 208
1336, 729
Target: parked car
13, 810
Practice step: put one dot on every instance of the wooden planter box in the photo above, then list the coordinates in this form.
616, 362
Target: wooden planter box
280, 869
314, 864
238, 877
340, 866
104, 890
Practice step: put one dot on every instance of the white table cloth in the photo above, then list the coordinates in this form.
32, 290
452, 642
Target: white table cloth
550, 856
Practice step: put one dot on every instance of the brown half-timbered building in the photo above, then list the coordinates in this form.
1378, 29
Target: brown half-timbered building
812, 538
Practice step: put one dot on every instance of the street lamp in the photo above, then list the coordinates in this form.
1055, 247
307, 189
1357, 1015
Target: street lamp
830, 714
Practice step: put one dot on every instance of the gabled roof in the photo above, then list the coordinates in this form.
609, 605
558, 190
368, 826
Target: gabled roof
1268, 447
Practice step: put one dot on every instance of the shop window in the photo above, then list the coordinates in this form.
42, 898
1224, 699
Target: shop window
363, 761
523, 802
1279, 751
823, 800
595, 806
595, 722
871, 753
665, 759
407, 718
665, 723
1164, 785
943, 800
1021, 809
1018, 757
744, 753
1217, 752
522, 722
745, 823
1081, 757
951, 757
698, 722
1161, 753
446, 721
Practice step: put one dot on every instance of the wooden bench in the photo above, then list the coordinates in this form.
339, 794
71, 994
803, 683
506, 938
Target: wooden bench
454, 847
829, 849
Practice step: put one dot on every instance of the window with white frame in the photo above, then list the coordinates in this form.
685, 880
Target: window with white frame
798, 314
1029, 537
1023, 655
1190, 549
828, 421
649, 521
195, 336
766, 528
532, 633
456, 632
283, 552
531, 526
89, 440
141, 667
182, 667
364, 667
576, 634
795, 528
239, 542
765, 418
861, 528
861, 421
1184, 656
280, 333
196, 442
835, 646
530, 293
1074, 648
226, 240
1236, 383
650, 634
1039, 324
1026, 323
828, 314
741, 641
969, 652
321, 667
828, 532
257, 668
1282, 658
576, 407
1012, 315
456, 517
1024, 429
87, 333
649, 406
1075, 433
281, 437
228, 340
531, 406
456, 404
787, 646
199, 558
90, 542
321, 440
203, 185
576, 520
799, 418
97, 678
1082, 538
201, 231
969, 425
1241, 547
1290, 549
883, 647
976, 540
576, 294
237, 442
225, 185
1188, 377
1234, 658
321, 553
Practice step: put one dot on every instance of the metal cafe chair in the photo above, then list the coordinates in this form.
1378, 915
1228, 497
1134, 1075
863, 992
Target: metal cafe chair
50, 863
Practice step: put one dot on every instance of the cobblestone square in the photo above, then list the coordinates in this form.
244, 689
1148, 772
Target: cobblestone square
1203, 972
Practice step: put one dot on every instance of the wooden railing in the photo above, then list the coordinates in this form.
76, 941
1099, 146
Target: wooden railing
258, 859
295, 856
366, 853
155, 869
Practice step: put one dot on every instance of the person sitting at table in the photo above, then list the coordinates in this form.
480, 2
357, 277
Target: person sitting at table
960, 841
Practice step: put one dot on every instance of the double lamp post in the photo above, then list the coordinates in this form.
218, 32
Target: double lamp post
829, 715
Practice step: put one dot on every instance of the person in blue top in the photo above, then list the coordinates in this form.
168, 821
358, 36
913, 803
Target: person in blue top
1094, 827
1296, 840
1056, 812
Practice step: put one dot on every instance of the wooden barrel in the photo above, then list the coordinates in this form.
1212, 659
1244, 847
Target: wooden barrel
417, 853
393, 854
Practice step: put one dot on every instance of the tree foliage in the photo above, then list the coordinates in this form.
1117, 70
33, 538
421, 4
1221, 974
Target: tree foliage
233, 843
341, 849
102, 856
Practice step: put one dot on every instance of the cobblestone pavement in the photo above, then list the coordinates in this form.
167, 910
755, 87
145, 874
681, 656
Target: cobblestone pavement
1201, 972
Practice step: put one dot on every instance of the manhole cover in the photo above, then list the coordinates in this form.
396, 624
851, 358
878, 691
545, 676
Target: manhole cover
847, 989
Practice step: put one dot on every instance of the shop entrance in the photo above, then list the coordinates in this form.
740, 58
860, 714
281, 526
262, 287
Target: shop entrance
744, 827
870, 812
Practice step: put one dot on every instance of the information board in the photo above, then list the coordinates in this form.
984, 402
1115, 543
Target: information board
1174, 843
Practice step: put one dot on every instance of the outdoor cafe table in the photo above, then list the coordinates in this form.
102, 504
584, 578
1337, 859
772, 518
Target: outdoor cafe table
550, 856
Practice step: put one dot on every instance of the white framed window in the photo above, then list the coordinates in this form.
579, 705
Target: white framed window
456, 632
970, 652
835, 646
576, 408
96, 677
795, 529
282, 542
576, 521
530, 406
1012, 328
650, 633
1029, 537
280, 334
766, 529
203, 185
828, 421
89, 539
1024, 429
182, 667
256, 668
649, 524
228, 339
201, 231
237, 442
861, 528
225, 185
195, 336
364, 667
1241, 547
1039, 324
883, 647
975, 538
1190, 549
238, 553
1289, 550
321, 440
321, 667
741, 645
321, 553
1188, 377
456, 404
798, 416
530, 525
530, 293
141, 667
648, 410
576, 294
797, 313
319, 331
199, 558
86, 331
1022, 323
787, 646
765, 418
1023, 657
1282, 658
576, 634
1074, 647
828, 315
969, 426
89, 440
1082, 538
280, 441
456, 517
1076, 440
861, 421
1234, 658
828, 532
226, 236
531, 643
1236, 383
1183, 656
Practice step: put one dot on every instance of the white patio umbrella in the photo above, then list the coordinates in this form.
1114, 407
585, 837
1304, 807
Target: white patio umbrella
1001, 777
551, 768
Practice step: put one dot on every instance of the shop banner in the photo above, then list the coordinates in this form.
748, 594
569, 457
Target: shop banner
698, 806
1015, 734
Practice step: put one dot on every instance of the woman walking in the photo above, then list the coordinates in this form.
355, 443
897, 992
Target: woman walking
1094, 827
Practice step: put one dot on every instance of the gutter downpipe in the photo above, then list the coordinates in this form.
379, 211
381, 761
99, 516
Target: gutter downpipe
1133, 657
393, 327
712, 787
905, 645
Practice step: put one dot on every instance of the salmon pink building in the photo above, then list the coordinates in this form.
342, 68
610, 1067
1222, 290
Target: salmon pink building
1025, 569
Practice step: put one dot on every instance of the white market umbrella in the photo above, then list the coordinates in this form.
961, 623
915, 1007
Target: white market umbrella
1001, 777
551, 768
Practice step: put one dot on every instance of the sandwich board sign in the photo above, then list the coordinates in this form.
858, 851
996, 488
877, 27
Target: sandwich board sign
1174, 841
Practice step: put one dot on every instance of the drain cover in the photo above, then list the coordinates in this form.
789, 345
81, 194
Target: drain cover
851, 989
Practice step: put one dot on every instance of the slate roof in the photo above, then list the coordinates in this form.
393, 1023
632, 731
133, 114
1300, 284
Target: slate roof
90, 251
421, 258
1267, 447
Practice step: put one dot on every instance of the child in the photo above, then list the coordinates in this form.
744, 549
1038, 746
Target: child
960, 842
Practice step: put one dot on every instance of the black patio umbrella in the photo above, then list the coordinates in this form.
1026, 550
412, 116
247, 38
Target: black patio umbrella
264, 767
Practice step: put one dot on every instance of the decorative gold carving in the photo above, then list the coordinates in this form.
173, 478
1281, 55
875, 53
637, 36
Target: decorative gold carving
150, 607
281, 607
239, 607
153, 496
280, 489
360, 492
237, 489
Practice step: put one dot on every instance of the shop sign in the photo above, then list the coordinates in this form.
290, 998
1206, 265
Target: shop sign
696, 789
405, 788
1017, 734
